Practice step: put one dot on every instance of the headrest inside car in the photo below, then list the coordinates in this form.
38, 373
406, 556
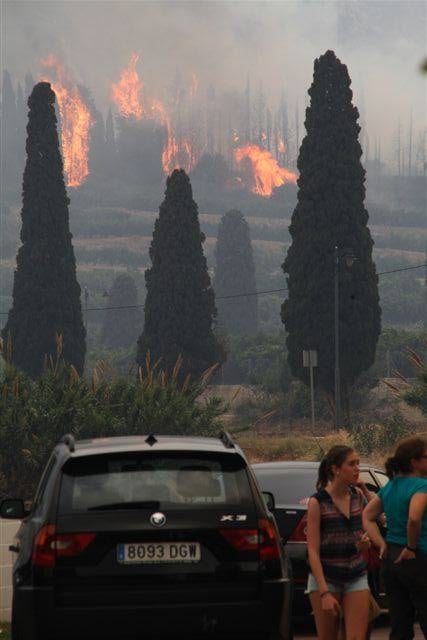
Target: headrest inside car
197, 482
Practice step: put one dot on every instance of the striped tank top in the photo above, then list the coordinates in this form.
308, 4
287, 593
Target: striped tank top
341, 561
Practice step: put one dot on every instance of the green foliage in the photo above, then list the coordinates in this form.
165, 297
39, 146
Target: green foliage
180, 302
330, 212
416, 395
372, 437
46, 294
257, 360
235, 273
122, 325
35, 414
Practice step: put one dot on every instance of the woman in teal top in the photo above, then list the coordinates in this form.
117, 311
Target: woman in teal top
404, 552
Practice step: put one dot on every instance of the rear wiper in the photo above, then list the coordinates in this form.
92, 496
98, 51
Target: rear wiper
137, 504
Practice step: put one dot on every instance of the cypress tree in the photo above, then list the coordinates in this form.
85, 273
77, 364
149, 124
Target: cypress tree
330, 212
46, 294
235, 273
180, 302
122, 326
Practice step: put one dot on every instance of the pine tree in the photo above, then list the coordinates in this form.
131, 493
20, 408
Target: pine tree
330, 212
122, 325
235, 273
46, 294
180, 302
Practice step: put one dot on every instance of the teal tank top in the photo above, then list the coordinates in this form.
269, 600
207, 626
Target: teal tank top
396, 496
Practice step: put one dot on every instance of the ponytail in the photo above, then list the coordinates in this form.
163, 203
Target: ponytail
322, 478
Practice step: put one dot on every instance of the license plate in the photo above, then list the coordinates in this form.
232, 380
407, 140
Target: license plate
156, 553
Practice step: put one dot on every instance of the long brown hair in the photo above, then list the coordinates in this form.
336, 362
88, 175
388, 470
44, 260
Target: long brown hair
407, 450
335, 457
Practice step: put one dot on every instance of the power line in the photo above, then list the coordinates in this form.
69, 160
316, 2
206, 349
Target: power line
240, 295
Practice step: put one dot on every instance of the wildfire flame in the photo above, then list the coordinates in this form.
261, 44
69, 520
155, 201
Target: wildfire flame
175, 155
127, 93
267, 173
75, 122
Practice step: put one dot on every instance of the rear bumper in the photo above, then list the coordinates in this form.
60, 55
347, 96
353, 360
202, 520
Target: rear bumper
39, 619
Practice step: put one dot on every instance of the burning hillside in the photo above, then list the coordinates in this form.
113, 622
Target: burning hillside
149, 137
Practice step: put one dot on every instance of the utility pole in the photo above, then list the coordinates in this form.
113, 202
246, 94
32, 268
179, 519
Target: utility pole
337, 341
86, 294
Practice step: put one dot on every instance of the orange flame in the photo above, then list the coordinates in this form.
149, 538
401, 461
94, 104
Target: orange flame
127, 93
267, 173
175, 155
281, 146
75, 123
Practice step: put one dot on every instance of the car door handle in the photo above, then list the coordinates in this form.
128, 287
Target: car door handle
14, 548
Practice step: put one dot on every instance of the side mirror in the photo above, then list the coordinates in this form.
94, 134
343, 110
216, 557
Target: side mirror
269, 500
13, 509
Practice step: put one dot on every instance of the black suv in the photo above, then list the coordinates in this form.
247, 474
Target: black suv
148, 537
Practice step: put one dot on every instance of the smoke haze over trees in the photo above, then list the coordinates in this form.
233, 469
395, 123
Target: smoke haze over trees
235, 274
382, 43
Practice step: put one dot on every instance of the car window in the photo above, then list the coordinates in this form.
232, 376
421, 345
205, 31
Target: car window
289, 486
369, 480
169, 480
382, 477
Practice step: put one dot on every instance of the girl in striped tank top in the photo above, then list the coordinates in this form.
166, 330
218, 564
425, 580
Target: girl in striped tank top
338, 583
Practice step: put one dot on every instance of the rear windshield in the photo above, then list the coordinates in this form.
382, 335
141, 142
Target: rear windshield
135, 480
289, 486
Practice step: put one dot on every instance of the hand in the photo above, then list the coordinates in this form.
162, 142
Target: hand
331, 604
405, 554
364, 543
382, 550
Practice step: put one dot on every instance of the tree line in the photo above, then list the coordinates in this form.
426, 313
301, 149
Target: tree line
181, 317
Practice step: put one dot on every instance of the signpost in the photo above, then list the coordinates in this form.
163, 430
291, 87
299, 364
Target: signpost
309, 359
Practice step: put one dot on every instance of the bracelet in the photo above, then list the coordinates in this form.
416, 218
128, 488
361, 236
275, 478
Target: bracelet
323, 593
413, 549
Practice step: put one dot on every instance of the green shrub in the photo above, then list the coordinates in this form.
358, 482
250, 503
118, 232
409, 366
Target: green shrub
372, 437
35, 414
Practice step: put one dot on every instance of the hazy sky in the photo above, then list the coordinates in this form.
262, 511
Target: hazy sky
382, 43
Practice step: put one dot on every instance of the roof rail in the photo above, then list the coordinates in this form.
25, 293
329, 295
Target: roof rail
151, 439
226, 440
69, 440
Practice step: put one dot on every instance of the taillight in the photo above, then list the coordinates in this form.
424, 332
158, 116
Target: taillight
242, 539
269, 544
49, 545
299, 534
264, 540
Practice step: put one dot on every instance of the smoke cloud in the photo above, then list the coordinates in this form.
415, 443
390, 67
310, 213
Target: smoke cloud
224, 43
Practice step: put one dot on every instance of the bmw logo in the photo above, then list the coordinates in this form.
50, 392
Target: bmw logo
158, 519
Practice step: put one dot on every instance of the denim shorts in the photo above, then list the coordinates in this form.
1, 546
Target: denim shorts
359, 584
